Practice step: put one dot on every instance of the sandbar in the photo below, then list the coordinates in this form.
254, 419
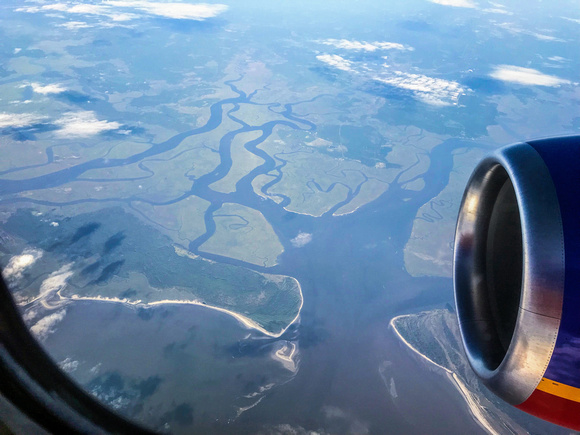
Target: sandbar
245, 321
474, 408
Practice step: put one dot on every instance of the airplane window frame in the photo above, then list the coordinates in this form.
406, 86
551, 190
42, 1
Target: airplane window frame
33, 383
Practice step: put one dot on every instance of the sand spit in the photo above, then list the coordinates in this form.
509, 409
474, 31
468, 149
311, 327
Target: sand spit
245, 321
474, 408
244, 409
285, 355
55, 282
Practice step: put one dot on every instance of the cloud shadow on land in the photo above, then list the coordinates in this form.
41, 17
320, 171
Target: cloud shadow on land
85, 231
73, 97
109, 271
113, 242
91, 268
28, 132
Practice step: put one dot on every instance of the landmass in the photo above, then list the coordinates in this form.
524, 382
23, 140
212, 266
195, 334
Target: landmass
243, 161
433, 339
111, 255
429, 251
313, 178
243, 233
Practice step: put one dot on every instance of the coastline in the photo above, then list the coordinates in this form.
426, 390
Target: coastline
245, 321
279, 354
287, 361
472, 405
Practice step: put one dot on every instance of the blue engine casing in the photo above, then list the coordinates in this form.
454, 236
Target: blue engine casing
517, 276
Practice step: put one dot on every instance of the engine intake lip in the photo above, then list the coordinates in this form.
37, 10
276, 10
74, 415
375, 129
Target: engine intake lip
510, 354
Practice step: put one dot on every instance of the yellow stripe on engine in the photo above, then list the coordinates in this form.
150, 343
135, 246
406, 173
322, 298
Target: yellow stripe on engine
561, 390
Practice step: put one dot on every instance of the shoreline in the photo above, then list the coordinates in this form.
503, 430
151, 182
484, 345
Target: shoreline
283, 357
287, 361
245, 321
473, 407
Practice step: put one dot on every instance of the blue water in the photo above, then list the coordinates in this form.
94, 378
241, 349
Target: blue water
352, 275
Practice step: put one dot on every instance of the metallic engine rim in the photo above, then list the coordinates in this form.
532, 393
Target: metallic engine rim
542, 291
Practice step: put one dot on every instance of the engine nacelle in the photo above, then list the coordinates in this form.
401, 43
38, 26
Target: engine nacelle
517, 276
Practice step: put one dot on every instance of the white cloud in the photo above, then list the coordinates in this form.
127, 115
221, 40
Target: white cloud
364, 46
46, 325
29, 9
301, 239
74, 25
516, 30
87, 9
497, 11
101, 10
286, 429
73, 124
17, 120
558, 59
355, 426
336, 61
183, 11
55, 7
543, 37
319, 142
48, 89
434, 91
497, 8
574, 20
456, 3
80, 124
525, 76
68, 365
19, 263
95, 370
430, 90
116, 10
56, 281
30, 314
123, 17
84, 9
81, 9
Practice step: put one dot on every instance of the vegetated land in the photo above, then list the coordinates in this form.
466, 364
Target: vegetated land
435, 335
244, 234
148, 268
429, 251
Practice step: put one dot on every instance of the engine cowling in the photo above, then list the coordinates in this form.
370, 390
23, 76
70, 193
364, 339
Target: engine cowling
517, 276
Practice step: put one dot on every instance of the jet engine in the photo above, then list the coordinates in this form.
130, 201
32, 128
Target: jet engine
517, 276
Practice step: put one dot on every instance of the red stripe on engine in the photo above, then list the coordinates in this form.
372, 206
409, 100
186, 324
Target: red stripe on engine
553, 408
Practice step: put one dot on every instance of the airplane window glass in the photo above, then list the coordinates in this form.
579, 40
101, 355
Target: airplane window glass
238, 217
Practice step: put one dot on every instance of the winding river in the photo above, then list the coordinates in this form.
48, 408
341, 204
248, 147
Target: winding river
352, 274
